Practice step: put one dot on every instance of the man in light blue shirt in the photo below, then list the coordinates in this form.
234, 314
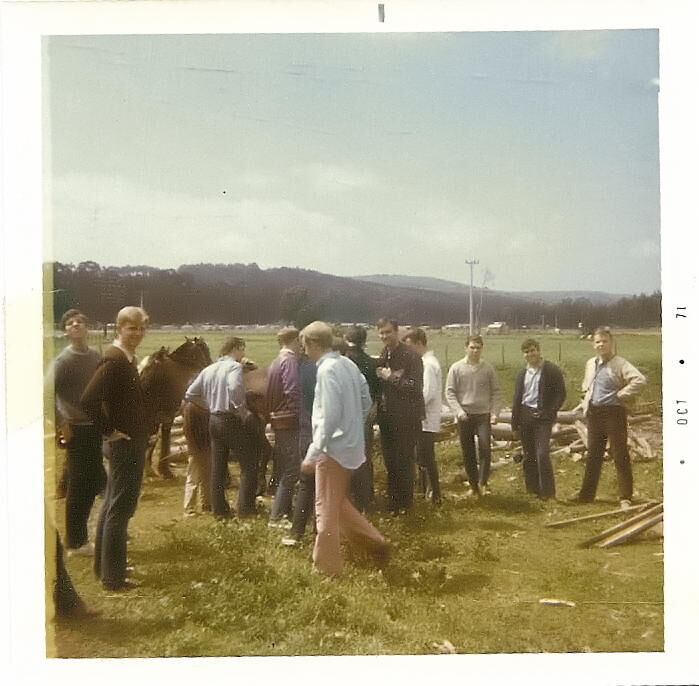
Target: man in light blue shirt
340, 406
219, 388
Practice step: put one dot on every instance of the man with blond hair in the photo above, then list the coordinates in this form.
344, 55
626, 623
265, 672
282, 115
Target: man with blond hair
340, 407
610, 385
114, 401
283, 405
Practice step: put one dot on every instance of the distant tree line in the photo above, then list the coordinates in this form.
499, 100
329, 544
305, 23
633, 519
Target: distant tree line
246, 294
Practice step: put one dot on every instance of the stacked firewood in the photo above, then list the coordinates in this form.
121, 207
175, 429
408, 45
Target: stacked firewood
568, 437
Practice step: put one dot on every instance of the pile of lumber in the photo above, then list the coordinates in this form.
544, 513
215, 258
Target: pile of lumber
568, 436
643, 518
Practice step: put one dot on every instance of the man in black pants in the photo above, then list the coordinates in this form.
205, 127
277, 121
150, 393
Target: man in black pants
115, 402
72, 370
362, 481
400, 413
219, 388
539, 393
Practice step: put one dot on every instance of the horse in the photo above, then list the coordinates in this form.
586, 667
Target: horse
165, 377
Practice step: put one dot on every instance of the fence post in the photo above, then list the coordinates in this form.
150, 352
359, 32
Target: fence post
559, 352
502, 352
446, 356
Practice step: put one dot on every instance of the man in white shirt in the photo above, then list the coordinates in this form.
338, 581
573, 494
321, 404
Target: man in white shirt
340, 406
432, 393
219, 388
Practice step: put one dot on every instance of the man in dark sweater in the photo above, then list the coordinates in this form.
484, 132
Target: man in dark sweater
362, 480
114, 401
71, 371
539, 393
400, 412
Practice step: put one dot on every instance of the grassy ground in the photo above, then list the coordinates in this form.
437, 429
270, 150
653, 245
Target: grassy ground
471, 572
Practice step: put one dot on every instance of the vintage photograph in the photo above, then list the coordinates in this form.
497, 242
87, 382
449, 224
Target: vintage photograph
474, 217
354, 335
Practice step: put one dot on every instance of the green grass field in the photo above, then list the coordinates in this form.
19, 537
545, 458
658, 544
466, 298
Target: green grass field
642, 348
471, 572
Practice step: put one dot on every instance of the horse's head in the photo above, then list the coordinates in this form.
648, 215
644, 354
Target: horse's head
190, 355
201, 344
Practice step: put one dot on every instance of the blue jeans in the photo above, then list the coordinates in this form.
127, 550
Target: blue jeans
228, 435
286, 449
477, 471
126, 463
536, 462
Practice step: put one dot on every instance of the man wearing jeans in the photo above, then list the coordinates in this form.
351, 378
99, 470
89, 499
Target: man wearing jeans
539, 394
219, 388
473, 393
114, 401
283, 404
340, 407
610, 384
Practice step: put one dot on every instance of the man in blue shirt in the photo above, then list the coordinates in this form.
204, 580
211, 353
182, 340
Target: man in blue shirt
340, 406
219, 388
539, 394
610, 385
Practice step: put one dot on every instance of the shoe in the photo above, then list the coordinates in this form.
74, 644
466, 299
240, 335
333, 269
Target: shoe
190, 513
86, 550
290, 542
484, 490
125, 585
473, 492
80, 611
382, 555
625, 503
224, 517
577, 499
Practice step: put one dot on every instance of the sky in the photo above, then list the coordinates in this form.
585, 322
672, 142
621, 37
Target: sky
535, 153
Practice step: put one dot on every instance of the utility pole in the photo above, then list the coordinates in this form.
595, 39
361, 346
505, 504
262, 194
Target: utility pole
470, 298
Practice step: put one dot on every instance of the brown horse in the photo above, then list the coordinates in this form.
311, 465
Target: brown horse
164, 378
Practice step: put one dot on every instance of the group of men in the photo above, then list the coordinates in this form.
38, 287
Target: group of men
324, 396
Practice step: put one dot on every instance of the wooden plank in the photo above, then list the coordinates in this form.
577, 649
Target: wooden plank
650, 512
632, 531
598, 515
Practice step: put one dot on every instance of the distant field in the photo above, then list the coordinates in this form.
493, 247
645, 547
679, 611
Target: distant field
641, 347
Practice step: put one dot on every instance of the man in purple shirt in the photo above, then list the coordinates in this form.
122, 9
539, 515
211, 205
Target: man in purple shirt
283, 404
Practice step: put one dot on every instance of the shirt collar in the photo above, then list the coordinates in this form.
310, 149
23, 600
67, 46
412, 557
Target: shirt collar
129, 355
327, 355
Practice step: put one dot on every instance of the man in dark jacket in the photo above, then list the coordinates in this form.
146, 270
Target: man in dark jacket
362, 481
400, 413
114, 401
539, 394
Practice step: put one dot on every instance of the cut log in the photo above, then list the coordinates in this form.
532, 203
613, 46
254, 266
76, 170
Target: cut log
599, 515
648, 512
640, 418
631, 531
